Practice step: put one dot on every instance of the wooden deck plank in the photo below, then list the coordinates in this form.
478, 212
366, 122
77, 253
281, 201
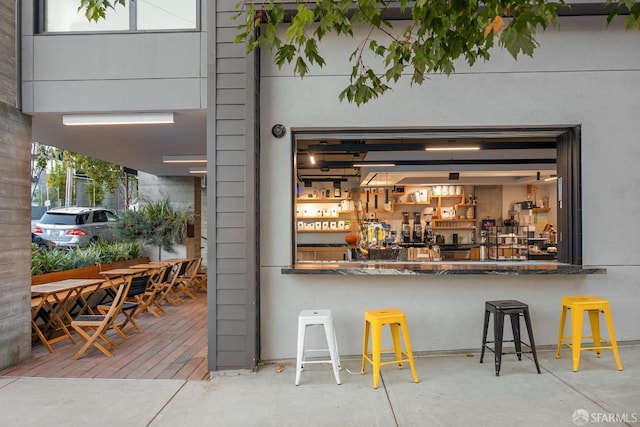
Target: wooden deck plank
173, 346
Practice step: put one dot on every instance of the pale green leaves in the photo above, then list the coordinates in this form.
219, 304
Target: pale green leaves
95, 10
629, 7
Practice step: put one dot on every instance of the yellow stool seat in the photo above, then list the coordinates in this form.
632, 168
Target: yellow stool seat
374, 320
593, 305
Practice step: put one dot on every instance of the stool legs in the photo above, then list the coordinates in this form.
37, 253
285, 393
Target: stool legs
333, 350
300, 351
563, 318
576, 337
593, 306
594, 321
513, 309
376, 343
317, 318
612, 338
498, 332
484, 333
527, 321
373, 325
407, 344
365, 345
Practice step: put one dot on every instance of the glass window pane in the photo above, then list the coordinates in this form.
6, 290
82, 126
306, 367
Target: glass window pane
63, 15
165, 14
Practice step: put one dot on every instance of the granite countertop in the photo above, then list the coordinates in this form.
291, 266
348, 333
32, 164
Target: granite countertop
442, 268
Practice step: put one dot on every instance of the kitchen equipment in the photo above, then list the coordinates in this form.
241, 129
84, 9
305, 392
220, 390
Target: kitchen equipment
439, 239
483, 252
406, 228
455, 238
417, 228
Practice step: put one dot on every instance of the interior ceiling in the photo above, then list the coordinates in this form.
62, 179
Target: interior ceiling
506, 156
139, 147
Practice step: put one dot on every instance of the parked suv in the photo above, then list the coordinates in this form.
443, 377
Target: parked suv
73, 226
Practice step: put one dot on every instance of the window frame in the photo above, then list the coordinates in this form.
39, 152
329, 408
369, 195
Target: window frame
40, 22
568, 161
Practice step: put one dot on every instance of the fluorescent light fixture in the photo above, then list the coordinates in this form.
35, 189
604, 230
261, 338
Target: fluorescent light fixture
184, 159
312, 159
458, 148
200, 170
551, 178
116, 119
373, 165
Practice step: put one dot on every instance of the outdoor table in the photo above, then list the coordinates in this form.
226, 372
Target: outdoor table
57, 299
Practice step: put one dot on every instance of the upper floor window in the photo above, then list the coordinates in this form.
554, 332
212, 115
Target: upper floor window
144, 15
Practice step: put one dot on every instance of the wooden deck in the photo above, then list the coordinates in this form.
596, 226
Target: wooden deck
173, 346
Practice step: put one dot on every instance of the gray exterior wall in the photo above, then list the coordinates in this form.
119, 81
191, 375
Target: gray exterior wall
231, 201
15, 209
582, 74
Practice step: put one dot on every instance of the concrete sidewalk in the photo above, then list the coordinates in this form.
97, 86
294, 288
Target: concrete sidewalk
454, 390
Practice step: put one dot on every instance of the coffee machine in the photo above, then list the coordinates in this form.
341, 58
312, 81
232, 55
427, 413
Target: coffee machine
417, 228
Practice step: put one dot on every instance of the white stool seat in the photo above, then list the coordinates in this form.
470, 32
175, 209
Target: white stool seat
317, 317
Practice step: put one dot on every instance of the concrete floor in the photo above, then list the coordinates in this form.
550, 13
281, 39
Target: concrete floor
454, 390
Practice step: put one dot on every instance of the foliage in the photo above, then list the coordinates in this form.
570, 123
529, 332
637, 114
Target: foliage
157, 224
435, 34
105, 177
40, 156
49, 260
102, 173
95, 192
57, 177
95, 10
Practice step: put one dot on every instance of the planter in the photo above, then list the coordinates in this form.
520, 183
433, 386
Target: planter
92, 272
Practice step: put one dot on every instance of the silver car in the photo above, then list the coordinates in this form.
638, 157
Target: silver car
74, 226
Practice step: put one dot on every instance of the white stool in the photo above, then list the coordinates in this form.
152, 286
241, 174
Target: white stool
317, 317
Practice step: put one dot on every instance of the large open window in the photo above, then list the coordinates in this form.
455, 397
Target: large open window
468, 192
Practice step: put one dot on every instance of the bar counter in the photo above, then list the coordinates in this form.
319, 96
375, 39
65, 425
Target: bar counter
515, 268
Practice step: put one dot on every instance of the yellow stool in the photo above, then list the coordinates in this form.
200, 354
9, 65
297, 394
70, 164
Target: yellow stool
592, 305
374, 320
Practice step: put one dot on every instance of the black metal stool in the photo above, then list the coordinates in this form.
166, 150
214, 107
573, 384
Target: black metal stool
514, 309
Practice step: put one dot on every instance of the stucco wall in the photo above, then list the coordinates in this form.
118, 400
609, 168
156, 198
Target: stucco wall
583, 74
15, 144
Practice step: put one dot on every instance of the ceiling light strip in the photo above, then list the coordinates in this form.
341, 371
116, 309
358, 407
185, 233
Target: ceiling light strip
184, 159
373, 165
116, 119
460, 148
199, 170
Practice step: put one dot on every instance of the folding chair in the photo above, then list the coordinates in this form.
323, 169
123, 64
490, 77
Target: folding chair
92, 327
133, 304
170, 283
152, 295
186, 282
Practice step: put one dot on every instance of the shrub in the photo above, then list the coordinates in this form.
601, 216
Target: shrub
49, 260
157, 224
